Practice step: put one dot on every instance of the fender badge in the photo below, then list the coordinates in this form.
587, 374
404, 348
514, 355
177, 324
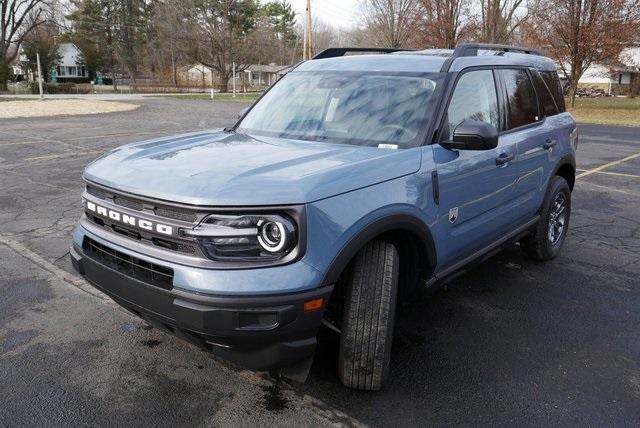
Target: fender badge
453, 214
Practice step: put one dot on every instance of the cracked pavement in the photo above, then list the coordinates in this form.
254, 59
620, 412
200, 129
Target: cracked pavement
512, 342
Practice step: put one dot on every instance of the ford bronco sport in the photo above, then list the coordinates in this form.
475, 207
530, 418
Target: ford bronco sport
351, 181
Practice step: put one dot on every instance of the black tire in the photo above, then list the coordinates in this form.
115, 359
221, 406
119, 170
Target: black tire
368, 318
540, 245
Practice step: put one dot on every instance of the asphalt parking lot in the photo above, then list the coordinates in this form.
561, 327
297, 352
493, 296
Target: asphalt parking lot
513, 342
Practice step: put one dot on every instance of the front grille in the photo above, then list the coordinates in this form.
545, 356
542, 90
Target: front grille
138, 205
167, 244
174, 246
176, 214
129, 203
130, 266
98, 193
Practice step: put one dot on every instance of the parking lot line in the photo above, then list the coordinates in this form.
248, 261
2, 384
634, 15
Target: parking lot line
15, 143
607, 165
38, 159
618, 174
325, 411
61, 155
610, 189
52, 269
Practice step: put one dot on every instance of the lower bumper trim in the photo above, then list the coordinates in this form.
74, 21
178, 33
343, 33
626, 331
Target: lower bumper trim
257, 332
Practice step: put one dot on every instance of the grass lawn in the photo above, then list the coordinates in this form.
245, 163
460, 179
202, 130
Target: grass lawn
240, 97
607, 111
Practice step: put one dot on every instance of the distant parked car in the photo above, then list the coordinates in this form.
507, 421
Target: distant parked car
353, 179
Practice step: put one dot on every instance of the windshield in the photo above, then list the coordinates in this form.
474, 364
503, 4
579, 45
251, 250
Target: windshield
362, 108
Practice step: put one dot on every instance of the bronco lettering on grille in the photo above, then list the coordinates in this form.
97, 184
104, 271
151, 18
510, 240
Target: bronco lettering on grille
127, 219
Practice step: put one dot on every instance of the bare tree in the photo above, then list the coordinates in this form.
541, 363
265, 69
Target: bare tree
499, 19
43, 40
579, 33
221, 35
390, 23
169, 29
444, 22
17, 19
325, 35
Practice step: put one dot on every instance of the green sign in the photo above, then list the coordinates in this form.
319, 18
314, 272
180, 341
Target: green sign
99, 79
53, 77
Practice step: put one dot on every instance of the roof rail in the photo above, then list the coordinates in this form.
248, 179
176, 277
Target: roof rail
471, 49
334, 52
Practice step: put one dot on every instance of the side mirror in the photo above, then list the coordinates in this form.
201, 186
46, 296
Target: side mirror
242, 112
473, 135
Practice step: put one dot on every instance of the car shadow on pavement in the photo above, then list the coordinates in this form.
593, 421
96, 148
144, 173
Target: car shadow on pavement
429, 317
508, 342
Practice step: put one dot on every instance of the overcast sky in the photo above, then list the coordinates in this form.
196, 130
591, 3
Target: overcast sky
339, 13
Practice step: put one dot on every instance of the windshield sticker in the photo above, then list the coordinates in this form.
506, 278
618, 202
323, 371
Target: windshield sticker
331, 110
388, 146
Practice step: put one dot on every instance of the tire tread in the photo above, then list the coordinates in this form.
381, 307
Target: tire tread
368, 317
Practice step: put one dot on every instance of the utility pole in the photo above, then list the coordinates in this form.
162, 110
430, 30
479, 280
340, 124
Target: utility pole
307, 50
39, 75
304, 41
233, 77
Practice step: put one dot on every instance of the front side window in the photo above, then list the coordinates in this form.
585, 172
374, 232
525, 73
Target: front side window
522, 103
474, 98
360, 108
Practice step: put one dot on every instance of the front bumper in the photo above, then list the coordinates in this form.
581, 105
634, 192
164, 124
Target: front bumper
260, 333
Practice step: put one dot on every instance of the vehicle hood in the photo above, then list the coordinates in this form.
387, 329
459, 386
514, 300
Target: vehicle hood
218, 168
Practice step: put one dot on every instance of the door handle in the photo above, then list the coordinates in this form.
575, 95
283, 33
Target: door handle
504, 158
549, 143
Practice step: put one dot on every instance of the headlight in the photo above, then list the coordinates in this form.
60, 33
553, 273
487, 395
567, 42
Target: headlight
252, 237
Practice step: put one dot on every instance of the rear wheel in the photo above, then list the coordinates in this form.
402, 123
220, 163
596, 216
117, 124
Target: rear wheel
368, 318
550, 232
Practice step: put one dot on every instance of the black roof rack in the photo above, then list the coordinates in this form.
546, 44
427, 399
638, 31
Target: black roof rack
471, 49
334, 52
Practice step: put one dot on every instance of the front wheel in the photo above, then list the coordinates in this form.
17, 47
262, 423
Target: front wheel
550, 232
368, 319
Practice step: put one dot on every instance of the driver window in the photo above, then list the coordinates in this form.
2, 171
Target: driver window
474, 98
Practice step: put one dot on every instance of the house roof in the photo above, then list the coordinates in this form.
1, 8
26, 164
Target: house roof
271, 68
631, 56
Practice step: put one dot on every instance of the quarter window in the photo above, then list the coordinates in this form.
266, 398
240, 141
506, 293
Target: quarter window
554, 85
474, 98
547, 104
522, 103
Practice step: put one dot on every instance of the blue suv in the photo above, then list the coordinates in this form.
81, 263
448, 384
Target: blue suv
354, 180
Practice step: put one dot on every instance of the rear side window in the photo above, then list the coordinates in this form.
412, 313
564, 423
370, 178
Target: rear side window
474, 98
522, 103
547, 103
553, 83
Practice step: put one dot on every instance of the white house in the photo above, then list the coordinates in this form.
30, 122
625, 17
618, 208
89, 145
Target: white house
255, 76
265, 75
15, 66
615, 79
71, 63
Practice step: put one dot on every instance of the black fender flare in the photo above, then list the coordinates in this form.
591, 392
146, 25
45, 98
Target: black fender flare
565, 160
384, 221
